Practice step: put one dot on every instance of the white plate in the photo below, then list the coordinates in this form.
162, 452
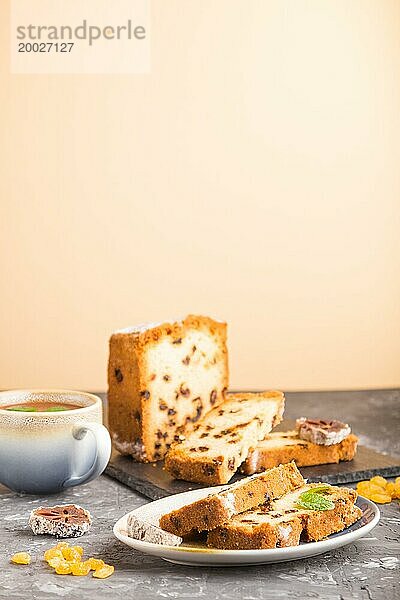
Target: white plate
200, 555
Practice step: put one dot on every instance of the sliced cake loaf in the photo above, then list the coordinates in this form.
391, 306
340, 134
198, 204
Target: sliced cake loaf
221, 442
318, 524
257, 530
162, 379
281, 447
281, 522
216, 509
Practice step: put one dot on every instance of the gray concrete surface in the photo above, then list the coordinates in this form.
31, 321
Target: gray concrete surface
365, 570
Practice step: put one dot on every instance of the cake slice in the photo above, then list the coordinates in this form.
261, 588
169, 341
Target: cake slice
282, 447
138, 529
220, 443
318, 524
162, 379
216, 509
257, 530
281, 522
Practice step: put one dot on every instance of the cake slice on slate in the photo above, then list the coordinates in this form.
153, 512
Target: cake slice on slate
281, 522
221, 442
162, 379
215, 509
281, 447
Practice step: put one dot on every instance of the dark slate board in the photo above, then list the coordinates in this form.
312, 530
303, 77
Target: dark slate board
152, 481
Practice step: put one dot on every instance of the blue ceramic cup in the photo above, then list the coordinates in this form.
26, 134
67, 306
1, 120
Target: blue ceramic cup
46, 452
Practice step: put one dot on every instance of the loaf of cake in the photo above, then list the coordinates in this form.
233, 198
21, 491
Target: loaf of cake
282, 447
216, 509
220, 443
163, 378
280, 523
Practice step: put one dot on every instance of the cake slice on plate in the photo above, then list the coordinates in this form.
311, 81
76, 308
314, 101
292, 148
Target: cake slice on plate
281, 522
221, 442
216, 509
162, 378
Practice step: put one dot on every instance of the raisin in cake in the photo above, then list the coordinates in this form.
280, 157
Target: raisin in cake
281, 447
162, 379
221, 442
281, 523
215, 509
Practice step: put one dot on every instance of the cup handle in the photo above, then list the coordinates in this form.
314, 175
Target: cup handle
103, 451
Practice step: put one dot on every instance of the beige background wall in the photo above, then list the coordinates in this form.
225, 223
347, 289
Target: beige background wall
253, 175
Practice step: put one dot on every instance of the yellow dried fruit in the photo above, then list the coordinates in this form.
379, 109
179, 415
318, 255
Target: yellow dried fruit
396, 491
379, 490
95, 563
62, 545
390, 488
378, 480
382, 498
78, 549
52, 553
66, 559
366, 488
363, 487
21, 558
56, 561
79, 568
71, 555
104, 572
64, 568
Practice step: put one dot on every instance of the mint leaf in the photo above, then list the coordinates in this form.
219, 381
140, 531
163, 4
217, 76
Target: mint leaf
22, 409
309, 494
318, 502
324, 487
56, 409
313, 499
